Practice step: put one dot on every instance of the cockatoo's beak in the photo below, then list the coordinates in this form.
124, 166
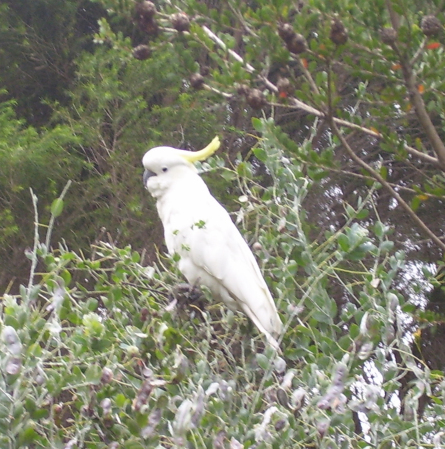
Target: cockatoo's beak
147, 174
194, 156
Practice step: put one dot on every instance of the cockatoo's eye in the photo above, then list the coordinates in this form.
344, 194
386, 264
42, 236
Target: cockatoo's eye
164, 169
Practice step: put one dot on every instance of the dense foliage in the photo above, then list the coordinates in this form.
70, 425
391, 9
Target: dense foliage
333, 166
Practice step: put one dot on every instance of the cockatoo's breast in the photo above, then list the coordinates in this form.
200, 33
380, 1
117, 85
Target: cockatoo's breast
184, 207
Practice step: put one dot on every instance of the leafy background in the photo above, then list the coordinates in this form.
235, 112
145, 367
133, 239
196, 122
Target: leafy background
331, 116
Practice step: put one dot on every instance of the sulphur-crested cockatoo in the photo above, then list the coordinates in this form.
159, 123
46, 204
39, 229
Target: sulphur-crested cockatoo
211, 249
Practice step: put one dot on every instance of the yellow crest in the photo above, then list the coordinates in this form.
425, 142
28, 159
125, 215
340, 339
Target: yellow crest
194, 156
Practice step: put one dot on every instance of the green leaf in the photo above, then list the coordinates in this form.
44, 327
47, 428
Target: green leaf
362, 214
257, 124
120, 400
386, 246
260, 154
93, 374
415, 203
57, 207
263, 361
343, 242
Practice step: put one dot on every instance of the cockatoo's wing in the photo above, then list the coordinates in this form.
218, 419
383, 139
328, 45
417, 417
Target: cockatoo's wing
211, 247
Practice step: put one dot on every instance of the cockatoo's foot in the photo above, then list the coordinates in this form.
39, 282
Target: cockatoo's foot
187, 293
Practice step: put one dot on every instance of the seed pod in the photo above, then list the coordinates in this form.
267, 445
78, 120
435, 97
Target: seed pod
107, 375
322, 427
257, 246
430, 25
297, 45
106, 406
282, 397
286, 32
280, 425
393, 301
11, 340
255, 99
218, 441
142, 52
144, 313
180, 22
279, 365
338, 34
388, 35
196, 80
341, 371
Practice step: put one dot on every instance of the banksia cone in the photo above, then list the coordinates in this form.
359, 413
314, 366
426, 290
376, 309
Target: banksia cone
255, 99
180, 22
338, 35
243, 89
286, 32
141, 52
297, 45
388, 35
145, 10
196, 80
430, 25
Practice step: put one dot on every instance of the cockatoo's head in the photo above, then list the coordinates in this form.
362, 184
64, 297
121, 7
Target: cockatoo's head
164, 164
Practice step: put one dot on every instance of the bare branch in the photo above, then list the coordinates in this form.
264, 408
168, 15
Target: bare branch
395, 18
420, 109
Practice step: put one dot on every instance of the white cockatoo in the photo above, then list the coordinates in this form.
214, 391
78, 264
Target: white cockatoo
197, 228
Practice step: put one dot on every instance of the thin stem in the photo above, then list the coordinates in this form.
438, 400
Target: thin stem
53, 218
36, 241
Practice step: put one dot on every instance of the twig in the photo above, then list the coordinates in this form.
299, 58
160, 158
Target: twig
419, 51
307, 75
234, 55
217, 91
395, 18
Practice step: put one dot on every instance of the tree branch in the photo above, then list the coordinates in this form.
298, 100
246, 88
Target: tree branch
421, 112
376, 175
294, 102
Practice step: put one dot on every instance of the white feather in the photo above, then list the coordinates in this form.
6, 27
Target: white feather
212, 251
